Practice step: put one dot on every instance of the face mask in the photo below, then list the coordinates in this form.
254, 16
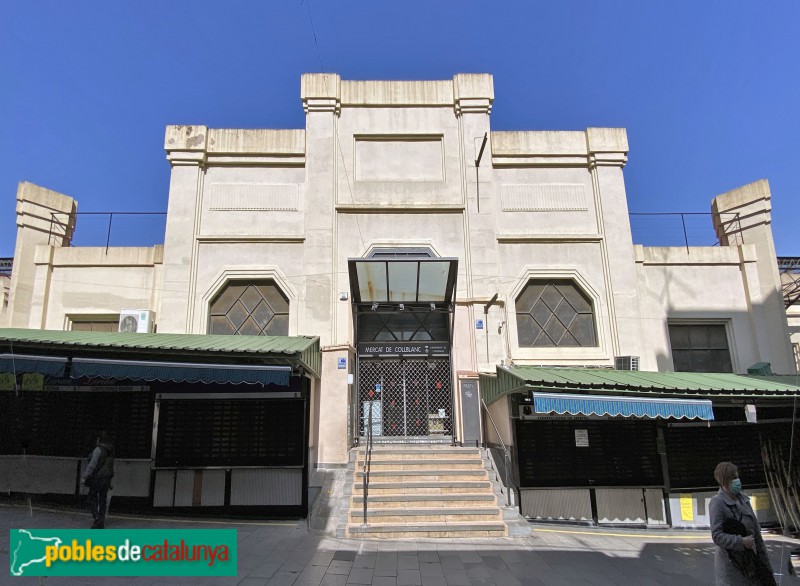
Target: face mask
736, 486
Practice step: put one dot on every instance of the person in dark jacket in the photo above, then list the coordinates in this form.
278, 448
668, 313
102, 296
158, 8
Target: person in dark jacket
97, 477
741, 557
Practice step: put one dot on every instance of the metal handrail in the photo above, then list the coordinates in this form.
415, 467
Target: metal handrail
367, 463
506, 457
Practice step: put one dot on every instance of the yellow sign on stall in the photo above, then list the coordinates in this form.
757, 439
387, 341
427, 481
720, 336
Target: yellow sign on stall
687, 507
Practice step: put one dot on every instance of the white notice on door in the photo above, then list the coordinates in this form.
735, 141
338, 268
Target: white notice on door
582, 438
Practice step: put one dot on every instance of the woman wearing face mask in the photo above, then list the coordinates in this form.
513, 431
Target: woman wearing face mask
741, 557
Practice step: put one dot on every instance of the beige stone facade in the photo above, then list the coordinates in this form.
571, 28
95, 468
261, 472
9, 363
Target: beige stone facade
400, 165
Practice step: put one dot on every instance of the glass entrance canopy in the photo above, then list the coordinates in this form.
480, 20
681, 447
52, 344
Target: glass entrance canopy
403, 280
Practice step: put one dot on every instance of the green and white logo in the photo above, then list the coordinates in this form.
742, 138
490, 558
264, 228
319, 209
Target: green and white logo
123, 552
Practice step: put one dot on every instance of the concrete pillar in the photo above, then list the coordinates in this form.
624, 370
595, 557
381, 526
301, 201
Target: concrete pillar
321, 97
608, 152
473, 98
44, 218
743, 216
186, 152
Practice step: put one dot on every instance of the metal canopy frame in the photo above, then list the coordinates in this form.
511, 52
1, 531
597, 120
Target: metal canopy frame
789, 268
387, 287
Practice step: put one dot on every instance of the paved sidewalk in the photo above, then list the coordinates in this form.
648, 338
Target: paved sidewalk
283, 553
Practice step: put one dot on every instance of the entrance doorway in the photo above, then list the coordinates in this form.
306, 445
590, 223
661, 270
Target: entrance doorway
409, 399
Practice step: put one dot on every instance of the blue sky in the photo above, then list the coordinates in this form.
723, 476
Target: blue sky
708, 91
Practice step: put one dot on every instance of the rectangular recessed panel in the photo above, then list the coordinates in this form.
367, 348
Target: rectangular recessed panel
566, 504
164, 489
543, 197
405, 158
184, 488
213, 488
253, 196
274, 486
620, 505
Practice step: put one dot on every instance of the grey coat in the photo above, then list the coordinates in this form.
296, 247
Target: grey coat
720, 508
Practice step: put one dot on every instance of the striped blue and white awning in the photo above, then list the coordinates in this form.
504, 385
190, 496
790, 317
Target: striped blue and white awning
615, 406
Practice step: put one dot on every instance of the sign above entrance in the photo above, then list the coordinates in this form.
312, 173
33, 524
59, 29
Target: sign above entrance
404, 349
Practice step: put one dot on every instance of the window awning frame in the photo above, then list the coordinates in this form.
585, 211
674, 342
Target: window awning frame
29, 363
618, 406
181, 371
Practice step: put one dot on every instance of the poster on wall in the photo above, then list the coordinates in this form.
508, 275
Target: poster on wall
582, 438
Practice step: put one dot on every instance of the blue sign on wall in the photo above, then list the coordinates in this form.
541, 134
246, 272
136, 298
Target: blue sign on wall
478, 324
342, 363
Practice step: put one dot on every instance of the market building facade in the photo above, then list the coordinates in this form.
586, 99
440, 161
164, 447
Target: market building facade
432, 262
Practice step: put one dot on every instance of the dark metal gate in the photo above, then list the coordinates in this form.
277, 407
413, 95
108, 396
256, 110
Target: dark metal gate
411, 399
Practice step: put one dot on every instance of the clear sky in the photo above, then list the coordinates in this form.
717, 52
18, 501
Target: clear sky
709, 91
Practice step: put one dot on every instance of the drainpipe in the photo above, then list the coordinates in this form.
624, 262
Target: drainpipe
486, 307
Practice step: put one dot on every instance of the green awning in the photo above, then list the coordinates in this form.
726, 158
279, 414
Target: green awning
22, 363
181, 372
296, 351
615, 406
516, 379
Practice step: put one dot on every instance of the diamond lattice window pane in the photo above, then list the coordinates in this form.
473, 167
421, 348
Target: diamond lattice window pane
565, 313
552, 297
251, 298
555, 329
237, 315
262, 314
554, 313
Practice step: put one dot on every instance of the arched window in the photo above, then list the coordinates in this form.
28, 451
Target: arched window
249, 308
554, 313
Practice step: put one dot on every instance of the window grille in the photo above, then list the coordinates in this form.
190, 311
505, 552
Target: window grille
250, 309
554, 313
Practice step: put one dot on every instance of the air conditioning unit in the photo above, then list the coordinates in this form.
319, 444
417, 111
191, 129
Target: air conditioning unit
626, 363
137, 321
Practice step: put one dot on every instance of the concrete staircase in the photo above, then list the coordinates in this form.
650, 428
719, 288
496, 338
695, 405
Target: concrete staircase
427, 491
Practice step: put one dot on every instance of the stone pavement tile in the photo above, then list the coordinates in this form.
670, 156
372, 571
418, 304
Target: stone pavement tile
430, 569
340, 567
493, 561
428, 556
265, 570
469, 556
457, 578
506, 578
344, 555
365, 561
476, 570
334, 580
312, 574
450, 561
360, 576
253, 582
483, 582
433, 581
408, 578
384, 581
321, 558
386, 571
407, 561
282, 579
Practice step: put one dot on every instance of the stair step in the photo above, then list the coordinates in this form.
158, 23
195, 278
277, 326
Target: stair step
426, 487
448, 500
384, 530
428, 515
452, 464
421, 453
422, 475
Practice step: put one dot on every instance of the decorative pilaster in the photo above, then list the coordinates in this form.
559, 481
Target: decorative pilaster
473, 93
321, 92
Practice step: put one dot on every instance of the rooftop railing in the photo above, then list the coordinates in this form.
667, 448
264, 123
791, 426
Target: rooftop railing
111, 228
680, 228
147, 228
